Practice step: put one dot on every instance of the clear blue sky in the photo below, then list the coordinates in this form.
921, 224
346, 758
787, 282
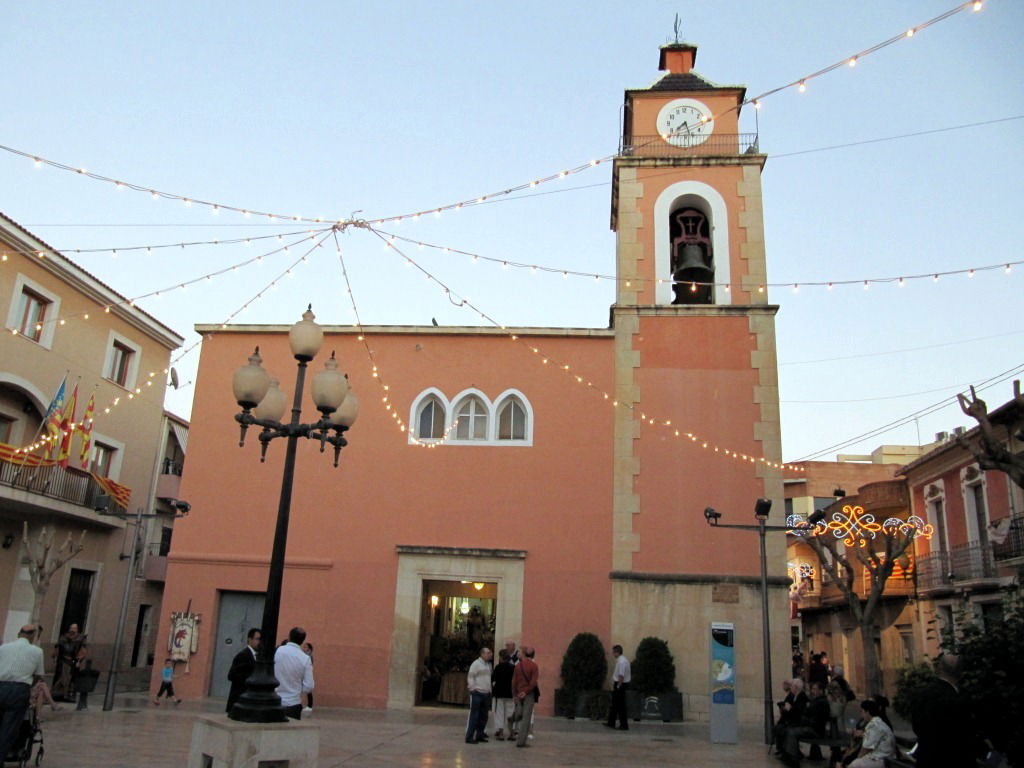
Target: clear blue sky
324, 109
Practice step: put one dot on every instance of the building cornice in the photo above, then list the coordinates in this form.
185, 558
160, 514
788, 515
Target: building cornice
418, 330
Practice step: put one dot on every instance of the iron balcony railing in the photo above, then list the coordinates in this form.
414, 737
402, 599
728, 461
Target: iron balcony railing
968, 562
172, 467
727, 144
54, 481
1013, 545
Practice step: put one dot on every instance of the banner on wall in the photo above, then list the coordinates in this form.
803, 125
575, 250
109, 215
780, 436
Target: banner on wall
724, 728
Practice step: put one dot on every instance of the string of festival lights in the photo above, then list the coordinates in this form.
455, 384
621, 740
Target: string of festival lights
44, 441
756, 101
375, 371
898, 280
215, 207
61, 320
547, 360
534, 268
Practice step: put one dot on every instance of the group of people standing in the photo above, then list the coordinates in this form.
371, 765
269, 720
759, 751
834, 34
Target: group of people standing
293, 668
510, 687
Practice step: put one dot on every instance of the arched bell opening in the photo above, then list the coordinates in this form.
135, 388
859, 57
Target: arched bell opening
691, 259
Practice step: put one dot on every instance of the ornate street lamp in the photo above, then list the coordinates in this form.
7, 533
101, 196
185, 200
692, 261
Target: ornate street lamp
263, 404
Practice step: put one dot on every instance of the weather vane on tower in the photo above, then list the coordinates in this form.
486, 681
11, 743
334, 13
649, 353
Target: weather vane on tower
675, 28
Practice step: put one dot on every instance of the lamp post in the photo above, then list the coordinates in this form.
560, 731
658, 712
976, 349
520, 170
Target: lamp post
263, 404
181, 508
761, 510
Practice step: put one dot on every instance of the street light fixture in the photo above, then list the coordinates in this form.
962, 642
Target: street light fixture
762, 508
102, 506
263, 404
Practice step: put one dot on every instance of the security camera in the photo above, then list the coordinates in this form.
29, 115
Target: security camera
711, 516
182, 507
839, 493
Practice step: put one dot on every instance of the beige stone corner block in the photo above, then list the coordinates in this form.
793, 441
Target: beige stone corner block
762, 358
767, 431
766, 394
752, 221
627, 175
625, 506
753, 252
755, 271
627, 465
761, 324
769, 413
627, 541
630, 219
631, 190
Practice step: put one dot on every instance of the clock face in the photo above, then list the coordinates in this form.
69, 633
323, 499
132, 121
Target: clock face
685, 122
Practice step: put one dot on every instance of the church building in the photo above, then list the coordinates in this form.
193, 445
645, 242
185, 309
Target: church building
524, 483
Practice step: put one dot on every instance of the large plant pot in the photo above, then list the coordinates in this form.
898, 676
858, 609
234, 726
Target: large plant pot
667, 707
584, 705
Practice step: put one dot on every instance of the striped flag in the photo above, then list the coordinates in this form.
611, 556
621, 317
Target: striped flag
86, 430
52, 419
67, 428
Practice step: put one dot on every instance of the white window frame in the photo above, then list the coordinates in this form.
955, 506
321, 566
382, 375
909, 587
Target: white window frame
53, 310
118, 458
133, 363
414, 415
488, 413
970, 508
931, 506
451, 408
500, 400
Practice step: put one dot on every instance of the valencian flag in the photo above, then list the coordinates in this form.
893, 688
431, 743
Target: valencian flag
67, 428
86, 430
52, 419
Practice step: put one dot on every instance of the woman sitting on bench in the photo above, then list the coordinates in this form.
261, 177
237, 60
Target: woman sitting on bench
879, 742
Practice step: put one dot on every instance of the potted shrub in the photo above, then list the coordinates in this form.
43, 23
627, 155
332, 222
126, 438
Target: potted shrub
652, 693
584, 668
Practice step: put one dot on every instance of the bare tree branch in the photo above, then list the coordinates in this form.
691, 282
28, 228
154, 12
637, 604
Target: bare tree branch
990, 451
44, 562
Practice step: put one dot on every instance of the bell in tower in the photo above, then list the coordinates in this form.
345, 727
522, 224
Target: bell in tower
692, 263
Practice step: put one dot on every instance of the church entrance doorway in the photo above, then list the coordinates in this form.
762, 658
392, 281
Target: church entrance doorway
458, 618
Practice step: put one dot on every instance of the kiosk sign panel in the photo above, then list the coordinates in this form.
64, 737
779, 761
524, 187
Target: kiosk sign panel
723, 684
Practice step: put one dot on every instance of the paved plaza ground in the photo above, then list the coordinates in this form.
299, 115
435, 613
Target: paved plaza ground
135, 733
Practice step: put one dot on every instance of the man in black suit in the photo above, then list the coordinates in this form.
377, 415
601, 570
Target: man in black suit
242, 666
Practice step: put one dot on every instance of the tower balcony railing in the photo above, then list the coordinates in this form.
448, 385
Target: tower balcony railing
716, 145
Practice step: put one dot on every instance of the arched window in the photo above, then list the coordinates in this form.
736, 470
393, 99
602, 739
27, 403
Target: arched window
472, 416
512, 420
430, 419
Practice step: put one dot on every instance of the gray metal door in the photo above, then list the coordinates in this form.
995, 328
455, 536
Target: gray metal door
237, 613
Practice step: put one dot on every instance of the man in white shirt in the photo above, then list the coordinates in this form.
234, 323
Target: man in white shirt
294, 672
21, 665
478, 680
621, 677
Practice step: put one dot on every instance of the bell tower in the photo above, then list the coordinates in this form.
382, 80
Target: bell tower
695, 368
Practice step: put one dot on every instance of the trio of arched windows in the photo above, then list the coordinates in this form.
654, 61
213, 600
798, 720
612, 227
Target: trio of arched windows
470, 417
